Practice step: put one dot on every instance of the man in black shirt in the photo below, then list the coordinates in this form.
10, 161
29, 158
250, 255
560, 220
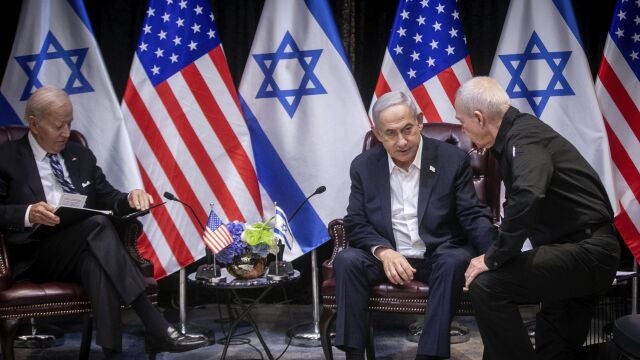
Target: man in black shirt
555, 199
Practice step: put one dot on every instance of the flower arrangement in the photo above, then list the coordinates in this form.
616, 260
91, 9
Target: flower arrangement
254, 239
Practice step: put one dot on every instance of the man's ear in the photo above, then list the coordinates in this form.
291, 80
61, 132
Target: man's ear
482, 121
420, 118
376, 133
33, 122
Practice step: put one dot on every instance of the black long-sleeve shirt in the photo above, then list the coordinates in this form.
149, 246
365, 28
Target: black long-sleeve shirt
551, 190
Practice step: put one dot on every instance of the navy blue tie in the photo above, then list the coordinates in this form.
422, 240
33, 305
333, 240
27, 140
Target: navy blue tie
56, 167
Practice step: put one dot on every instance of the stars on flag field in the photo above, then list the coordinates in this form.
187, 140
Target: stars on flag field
427, 38
174, 36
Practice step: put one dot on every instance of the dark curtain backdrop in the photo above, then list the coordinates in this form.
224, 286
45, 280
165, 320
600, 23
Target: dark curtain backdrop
364, 26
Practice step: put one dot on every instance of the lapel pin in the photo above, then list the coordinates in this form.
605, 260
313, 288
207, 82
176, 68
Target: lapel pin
85, 184
432, 169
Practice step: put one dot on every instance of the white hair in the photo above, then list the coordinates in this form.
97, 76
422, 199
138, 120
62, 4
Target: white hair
484, 94
43, 99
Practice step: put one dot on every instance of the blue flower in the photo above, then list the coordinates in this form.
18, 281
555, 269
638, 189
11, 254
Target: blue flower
236, 248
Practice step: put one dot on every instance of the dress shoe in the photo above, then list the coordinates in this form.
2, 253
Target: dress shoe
175, 341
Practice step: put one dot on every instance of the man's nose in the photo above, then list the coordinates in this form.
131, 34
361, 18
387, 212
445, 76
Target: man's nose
402, 140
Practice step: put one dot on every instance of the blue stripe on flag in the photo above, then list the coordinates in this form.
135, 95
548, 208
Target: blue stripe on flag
7, 114
282, 187
566, 11
322, 13
79, 9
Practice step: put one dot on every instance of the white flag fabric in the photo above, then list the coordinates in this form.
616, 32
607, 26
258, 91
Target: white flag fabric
191, 139
542, 65
54, 45
618, 91
305, 115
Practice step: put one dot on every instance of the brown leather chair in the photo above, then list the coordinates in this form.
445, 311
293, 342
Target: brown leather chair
23, 300
412, 297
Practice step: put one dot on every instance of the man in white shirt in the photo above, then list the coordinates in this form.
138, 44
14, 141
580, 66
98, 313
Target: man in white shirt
413, 213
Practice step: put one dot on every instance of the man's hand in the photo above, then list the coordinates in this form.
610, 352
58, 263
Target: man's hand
139, 199
476, 267
396, 266
42, 213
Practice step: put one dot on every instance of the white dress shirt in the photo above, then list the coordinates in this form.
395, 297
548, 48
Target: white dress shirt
52, 189
405, 186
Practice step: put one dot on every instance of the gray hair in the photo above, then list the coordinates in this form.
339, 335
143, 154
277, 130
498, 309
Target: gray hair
43, 99
484, 94
390, 99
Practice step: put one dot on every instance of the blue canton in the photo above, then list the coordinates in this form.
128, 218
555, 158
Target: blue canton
625, 32
52, 50
309, 83
214, 221
174, 35
534, 51
426, 39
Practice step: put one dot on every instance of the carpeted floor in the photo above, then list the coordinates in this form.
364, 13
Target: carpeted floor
273, 321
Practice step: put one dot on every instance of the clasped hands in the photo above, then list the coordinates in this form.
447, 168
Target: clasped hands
43, 213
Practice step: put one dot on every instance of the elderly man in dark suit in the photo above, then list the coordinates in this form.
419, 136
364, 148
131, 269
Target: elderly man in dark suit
413, 213
35, 171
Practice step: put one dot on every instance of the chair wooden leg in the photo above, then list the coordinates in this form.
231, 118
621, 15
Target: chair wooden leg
8, 330
87, 334
327, 316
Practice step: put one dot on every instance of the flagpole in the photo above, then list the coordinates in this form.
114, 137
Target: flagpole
309, 334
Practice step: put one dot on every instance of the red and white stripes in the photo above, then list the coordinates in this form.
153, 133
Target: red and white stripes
618, 92
190, 139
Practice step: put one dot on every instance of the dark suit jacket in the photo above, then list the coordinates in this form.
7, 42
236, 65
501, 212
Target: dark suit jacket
20, 186
448, 207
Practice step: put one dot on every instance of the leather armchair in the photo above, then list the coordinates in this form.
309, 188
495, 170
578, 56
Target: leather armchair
23, 300
412, 297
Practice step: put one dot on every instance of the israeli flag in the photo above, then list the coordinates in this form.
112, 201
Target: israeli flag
305, 115
55, 46
282, 230
541, 63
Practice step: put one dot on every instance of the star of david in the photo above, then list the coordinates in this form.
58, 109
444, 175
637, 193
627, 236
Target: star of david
309, 83
558, 84
51, 50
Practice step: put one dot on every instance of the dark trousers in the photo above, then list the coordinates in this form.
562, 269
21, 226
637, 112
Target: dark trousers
567, 280
92, 254
357, 270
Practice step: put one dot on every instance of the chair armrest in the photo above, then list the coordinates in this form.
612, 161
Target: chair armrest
129, 232
5, 271
338, 236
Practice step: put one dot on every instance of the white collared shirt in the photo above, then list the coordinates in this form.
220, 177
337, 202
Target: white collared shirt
405, 186
52, 189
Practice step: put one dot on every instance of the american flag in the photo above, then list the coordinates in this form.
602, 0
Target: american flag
618, 91
190, 138
216, 235
426, 57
